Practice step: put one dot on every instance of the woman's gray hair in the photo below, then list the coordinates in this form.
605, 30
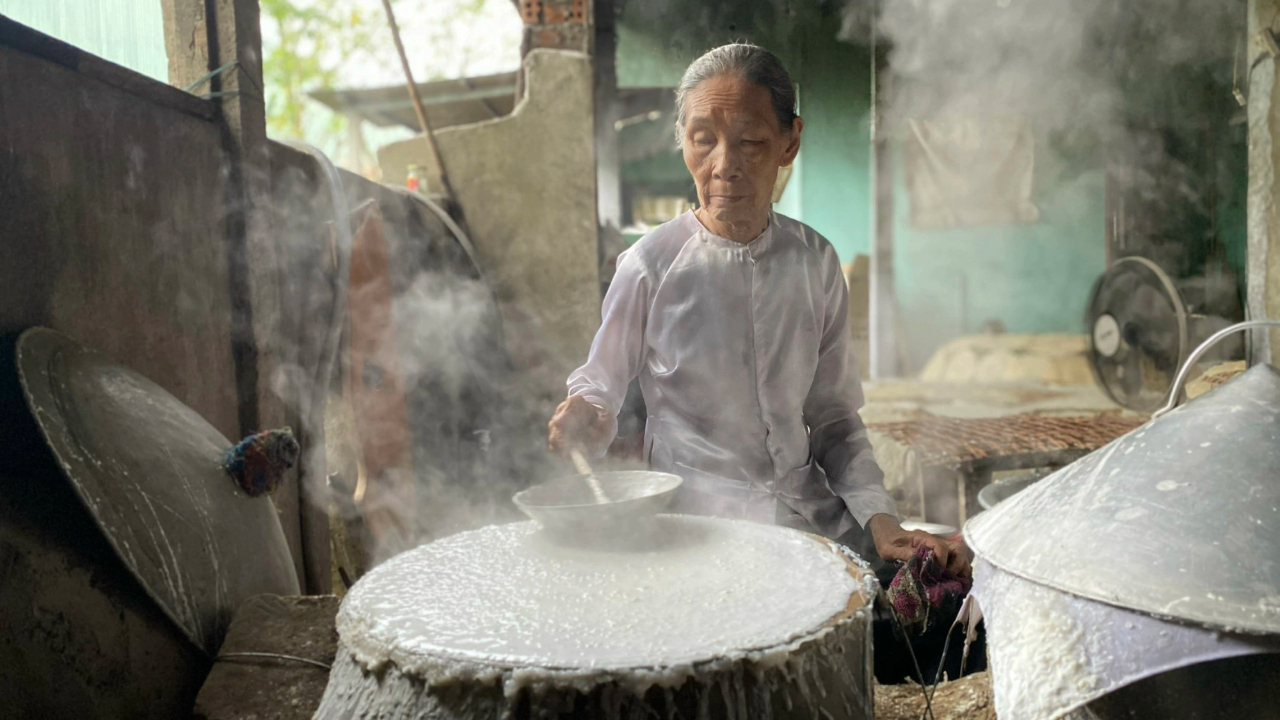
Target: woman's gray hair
747, 61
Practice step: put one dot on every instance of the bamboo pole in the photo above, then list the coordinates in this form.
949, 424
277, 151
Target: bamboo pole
418, 107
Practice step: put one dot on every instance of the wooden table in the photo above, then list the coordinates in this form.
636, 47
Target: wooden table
959, 456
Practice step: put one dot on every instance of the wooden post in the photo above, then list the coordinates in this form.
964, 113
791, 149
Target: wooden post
186, 40
608, 165
204, 36
1263, 269
883, 308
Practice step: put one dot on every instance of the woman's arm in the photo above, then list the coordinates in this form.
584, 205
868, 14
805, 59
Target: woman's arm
838, 437
588, 419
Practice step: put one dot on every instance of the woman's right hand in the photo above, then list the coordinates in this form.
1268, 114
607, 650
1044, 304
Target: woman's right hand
577, 424
895, 543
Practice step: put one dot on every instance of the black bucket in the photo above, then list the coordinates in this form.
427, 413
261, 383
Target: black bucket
1005, 488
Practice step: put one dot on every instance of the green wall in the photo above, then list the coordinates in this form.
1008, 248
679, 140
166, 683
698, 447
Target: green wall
1031, 278
645, 61
835, 177
1232, 217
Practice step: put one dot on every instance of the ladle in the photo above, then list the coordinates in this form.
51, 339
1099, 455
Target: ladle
584, 468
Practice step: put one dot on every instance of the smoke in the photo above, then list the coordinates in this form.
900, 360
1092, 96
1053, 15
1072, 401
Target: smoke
443, 428
1140, 91
443, 318
1131, 85
1073, 65
1129, 104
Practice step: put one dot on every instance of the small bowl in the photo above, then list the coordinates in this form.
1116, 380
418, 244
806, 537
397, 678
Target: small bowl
567, 511
1001, 490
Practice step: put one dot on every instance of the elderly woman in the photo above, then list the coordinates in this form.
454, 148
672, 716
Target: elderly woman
735, 320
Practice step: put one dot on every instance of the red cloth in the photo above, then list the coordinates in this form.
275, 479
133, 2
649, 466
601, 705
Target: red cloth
922, 584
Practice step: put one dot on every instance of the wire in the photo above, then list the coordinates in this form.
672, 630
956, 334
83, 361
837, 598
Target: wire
332, 180
463, 239
928, 701
273, 656
1175, 391
946, 647
210, 75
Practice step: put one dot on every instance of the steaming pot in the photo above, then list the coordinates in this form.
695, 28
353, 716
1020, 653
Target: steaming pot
1153, 554
709, 618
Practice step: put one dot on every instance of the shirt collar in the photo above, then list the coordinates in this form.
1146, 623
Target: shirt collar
757, 245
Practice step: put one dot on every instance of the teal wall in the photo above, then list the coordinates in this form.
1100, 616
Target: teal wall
835, 176
1232, 217
645, 61
1032, 278
127, 32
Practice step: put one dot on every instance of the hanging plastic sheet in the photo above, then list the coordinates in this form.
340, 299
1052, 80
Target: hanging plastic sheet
970, 171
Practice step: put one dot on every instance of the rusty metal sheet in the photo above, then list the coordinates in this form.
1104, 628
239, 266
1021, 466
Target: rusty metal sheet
149, 469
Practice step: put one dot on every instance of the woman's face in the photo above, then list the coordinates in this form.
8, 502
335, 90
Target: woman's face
733, 147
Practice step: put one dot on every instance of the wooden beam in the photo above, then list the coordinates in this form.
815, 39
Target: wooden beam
883, 310
215, 49
186, 40
1263, 263
236, 35
607, 110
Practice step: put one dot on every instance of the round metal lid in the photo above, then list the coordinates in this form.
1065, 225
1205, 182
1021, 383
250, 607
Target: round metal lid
1180, 518
149, 470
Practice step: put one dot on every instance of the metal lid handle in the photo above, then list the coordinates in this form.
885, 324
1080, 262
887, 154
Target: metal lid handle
1175, 391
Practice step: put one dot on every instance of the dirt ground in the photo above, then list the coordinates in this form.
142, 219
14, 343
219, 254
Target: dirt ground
968, 698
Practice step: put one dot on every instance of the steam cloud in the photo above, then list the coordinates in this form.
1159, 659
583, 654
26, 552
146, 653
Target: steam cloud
1065, 64
1136, 88
477, 430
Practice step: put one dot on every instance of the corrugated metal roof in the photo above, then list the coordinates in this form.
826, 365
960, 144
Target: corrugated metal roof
647, 113
448, 102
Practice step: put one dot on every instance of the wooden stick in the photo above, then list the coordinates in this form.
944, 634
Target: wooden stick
416, 99
584, 468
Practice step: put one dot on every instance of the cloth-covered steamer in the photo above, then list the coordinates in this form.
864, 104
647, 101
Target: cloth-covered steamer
1055, 655
1144, 557
708, 618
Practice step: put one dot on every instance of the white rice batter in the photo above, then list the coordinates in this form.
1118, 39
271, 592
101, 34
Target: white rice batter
503, 595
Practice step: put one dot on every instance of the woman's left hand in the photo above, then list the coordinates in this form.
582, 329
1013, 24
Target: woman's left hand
895, 543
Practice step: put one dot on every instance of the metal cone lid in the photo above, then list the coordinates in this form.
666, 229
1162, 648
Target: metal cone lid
1180, 518
149, 470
